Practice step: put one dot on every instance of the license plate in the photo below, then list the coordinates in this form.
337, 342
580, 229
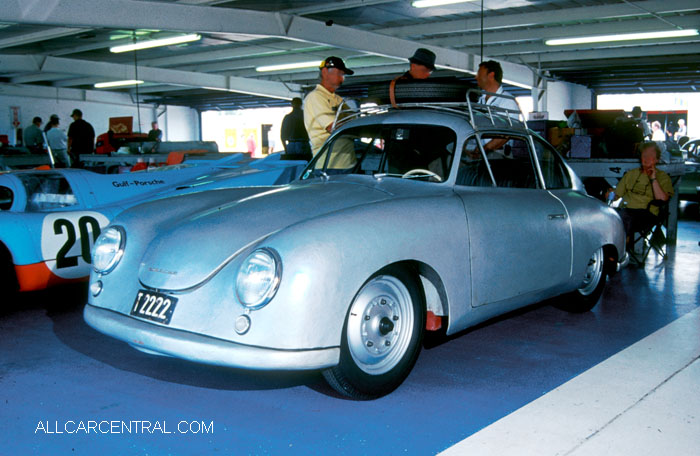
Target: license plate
153, 306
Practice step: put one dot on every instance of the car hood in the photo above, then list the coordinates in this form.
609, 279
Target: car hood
194, 248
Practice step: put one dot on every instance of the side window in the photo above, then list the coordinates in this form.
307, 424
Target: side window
508, 157
553, 171
47, 191
473, 171
6, 198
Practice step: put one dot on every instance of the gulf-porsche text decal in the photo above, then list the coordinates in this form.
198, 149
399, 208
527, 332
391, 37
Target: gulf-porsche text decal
137, 183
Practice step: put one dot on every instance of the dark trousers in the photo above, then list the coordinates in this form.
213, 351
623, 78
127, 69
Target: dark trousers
636, 220
301, 149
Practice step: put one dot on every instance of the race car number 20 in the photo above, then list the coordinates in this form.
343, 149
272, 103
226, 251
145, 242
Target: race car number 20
66, 241
86, 225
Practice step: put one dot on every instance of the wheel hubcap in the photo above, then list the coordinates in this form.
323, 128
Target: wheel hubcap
380, 325
594, 271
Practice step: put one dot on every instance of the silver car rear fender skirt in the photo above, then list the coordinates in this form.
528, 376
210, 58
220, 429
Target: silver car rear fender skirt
204, 349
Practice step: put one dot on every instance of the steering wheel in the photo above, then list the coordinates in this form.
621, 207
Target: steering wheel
422, 171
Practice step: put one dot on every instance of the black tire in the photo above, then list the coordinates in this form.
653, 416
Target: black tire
587, 296
8, 278
369, 367
414, 91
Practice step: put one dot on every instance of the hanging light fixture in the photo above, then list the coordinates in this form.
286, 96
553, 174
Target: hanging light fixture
147, 44
622, 37
129, 82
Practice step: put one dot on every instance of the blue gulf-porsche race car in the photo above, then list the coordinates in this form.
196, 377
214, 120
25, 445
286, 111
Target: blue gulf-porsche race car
50, 219
407, 220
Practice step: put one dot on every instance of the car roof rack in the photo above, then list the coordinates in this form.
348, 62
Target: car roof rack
481, 115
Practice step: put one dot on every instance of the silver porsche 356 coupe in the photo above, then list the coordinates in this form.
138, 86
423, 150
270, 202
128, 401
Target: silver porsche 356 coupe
409, 219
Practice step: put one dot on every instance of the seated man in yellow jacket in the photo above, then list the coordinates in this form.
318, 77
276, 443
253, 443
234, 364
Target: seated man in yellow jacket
639, 186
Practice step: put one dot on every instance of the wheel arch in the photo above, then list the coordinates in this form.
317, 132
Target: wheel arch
612, 256
8, 275
430, 284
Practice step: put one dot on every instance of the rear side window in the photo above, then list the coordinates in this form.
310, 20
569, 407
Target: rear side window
507, 159
47, 191
6, 198
553, 171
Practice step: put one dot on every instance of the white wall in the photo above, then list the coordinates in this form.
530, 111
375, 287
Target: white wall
179, 123
564, 95
97, 108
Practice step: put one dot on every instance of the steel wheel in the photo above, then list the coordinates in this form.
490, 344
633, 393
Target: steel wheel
587, 295
381, 337
594, 271
380, 325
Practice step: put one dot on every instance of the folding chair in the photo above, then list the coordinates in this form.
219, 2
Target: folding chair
652, 236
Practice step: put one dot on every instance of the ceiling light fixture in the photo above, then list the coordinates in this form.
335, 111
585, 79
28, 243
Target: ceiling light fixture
130, 82
289, 66
429, 3
156, 43
622, 37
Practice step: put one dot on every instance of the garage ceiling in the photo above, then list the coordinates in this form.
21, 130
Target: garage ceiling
65, 44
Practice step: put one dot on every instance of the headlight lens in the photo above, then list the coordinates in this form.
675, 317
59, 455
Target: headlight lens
108, 249
258, 278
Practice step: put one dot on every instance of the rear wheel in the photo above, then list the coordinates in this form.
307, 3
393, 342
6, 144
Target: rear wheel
586, 297
381, 337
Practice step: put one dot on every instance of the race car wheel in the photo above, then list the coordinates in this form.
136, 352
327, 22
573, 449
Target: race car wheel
382, 336
586, 297
8, 278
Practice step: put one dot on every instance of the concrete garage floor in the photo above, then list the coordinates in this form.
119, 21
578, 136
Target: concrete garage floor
621, 380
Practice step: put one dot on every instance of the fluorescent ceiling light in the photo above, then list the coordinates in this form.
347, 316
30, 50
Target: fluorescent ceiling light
130, 82
290, 66
156, 43
429, 3
622, 37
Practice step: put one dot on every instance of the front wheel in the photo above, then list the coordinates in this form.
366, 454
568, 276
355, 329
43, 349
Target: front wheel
586, 297
382, 336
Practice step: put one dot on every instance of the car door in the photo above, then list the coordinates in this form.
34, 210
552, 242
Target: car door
519, 233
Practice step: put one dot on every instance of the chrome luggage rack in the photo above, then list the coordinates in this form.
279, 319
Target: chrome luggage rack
481, 115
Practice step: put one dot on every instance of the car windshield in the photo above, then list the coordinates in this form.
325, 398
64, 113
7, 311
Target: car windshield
422, 152
47, 191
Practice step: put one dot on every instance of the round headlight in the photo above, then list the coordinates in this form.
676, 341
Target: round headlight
258, 278
108, 249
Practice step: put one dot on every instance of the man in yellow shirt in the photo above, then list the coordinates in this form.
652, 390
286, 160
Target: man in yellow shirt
640, 186
321, 104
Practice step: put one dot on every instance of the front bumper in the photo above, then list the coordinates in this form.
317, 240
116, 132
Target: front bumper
204, 349
624, 262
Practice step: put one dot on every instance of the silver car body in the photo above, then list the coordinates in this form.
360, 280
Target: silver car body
479, 252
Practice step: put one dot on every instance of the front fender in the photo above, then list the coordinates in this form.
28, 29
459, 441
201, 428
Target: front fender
327, 260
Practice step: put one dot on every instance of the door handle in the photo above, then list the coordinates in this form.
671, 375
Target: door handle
556, 216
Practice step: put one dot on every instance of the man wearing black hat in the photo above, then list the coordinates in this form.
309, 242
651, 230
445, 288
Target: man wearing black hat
81, 137
422, 64
321, 104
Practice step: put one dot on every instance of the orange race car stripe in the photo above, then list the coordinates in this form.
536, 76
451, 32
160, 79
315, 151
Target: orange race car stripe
38, 276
